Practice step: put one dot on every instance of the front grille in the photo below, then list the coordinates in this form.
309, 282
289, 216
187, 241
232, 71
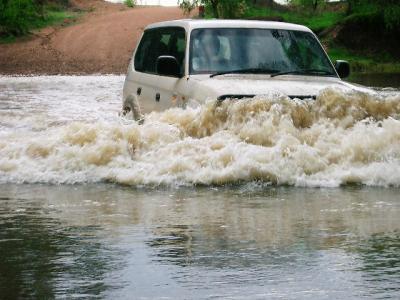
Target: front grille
302, 97
232, 96
224, 97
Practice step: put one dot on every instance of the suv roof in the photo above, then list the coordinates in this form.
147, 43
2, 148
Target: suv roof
190, 24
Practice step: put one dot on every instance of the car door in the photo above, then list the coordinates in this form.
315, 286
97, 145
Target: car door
156, 92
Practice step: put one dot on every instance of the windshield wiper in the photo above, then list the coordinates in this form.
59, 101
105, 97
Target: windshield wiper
304, 72
246, 71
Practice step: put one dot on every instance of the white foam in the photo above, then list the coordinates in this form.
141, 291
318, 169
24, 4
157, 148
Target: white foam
58, 129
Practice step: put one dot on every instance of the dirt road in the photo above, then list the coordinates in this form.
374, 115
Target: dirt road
101, 41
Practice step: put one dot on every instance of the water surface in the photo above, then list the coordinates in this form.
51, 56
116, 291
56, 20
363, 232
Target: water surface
61, 129
247, 242
263, 198
384, 80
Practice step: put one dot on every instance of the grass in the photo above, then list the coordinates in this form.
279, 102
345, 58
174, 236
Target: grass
56, 17
9, 39
364, 64
316, 22
130, 3
328, 18
53, 16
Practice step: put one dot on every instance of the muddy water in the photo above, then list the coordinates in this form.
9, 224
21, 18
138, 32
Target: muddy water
377, 79
254, 199
67, 130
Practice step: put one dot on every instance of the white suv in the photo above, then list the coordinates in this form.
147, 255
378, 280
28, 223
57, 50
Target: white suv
194, 60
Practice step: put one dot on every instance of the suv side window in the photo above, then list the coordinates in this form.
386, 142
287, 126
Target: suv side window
157, 42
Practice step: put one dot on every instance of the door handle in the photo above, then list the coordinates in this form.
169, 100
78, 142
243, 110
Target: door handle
139, 91
158, 97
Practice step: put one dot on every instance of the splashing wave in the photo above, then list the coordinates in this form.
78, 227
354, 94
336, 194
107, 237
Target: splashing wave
335, 140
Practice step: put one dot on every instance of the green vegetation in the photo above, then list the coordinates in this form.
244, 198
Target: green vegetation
19, 17
365, 64
389, 10
227, 9
187, 6
130, 3
315, 21
367, 37
364, 32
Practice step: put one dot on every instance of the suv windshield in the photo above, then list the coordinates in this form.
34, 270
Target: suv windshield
270, 51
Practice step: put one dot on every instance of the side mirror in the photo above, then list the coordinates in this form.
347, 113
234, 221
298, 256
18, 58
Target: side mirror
342, 68
168, 66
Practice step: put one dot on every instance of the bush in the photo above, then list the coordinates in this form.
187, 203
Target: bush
130, 3
187, 6
310, 5
231, 9
392, 17
16, 16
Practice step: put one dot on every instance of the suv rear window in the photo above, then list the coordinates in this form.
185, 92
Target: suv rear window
157, 42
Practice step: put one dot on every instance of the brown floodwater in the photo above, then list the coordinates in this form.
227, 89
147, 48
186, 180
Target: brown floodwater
251, 241
377, 79
262, 198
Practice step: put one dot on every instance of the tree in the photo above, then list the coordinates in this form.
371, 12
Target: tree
350, 6
16, 16
218, 8
308, 4
268, 3
388, 10
188, 5
392, 16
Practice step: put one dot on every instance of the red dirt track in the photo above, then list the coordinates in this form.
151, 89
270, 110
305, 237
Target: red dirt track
101, 41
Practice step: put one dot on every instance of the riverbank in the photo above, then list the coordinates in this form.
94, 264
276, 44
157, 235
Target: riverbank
362, 38
100, 40
98, 37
